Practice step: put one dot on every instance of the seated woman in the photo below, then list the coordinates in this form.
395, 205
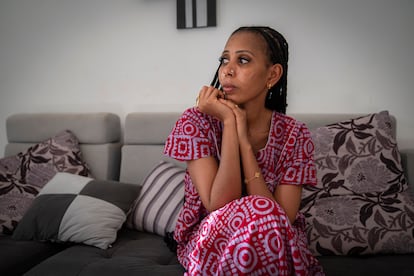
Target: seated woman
246, 164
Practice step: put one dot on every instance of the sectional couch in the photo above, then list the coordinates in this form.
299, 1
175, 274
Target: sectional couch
120, 167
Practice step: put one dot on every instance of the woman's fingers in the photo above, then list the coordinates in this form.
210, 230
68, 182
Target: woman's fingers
208, 95
231, 104
221, 94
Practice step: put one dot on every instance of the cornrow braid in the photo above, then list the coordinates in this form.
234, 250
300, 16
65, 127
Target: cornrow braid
278, 54
215, 82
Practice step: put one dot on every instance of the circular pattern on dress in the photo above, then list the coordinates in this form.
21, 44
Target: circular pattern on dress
189, 129
291, 141
245, 257
279, 130
187, 216
236, 221
308, 148
205, 230
262, 205
274, 243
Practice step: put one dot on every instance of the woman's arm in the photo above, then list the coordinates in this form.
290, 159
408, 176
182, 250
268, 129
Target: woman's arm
218, 183
287, 196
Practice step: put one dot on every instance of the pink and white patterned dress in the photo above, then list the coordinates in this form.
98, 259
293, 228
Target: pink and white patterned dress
251, 235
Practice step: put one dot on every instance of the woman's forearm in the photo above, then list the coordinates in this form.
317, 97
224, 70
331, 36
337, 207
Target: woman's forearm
287, 196
227, 183
254, 180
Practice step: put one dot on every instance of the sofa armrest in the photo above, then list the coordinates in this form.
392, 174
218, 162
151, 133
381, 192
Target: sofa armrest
407, 158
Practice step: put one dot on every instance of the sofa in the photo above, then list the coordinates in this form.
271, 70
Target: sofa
120, 167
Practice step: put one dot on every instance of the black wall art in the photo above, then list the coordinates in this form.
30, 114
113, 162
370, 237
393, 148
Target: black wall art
196, 14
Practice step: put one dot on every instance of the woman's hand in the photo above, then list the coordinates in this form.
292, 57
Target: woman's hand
209, 103
241, 122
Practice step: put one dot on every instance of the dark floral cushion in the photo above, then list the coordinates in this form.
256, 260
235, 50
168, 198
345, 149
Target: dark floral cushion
361, 204
22, 176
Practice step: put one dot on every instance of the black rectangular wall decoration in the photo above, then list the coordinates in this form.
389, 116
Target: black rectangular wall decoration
196, 14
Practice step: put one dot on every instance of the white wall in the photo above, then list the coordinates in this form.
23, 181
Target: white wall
350, 56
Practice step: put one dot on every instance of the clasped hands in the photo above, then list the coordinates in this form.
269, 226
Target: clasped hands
212, 101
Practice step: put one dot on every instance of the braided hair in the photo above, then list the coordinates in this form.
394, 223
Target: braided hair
278, 53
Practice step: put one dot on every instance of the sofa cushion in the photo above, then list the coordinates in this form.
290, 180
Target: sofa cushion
133, 253
157, 207
19, 256
73, 208
361, 204
23, 175
378, 265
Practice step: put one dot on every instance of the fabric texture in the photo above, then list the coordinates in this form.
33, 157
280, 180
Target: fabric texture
361, 204
251, 234
22, 176
73, 208
157, 207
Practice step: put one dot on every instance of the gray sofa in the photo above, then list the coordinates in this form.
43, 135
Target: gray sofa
128, 156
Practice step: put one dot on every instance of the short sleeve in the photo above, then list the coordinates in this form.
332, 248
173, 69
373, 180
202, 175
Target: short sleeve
191, 138
299, 167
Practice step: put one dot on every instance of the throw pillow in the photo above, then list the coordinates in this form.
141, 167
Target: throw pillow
162, 196
361, 204
73, 208
22, 176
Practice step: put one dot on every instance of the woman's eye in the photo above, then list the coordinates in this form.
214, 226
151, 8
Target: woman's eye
243, 60
223, 60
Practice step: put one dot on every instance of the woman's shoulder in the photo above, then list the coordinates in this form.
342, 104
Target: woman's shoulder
194, 118
193, 114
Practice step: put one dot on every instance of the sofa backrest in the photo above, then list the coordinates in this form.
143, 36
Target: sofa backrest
144, 137
99, 135
146, 132
100, 138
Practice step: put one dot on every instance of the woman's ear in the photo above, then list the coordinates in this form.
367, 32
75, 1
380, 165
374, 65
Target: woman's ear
276, 72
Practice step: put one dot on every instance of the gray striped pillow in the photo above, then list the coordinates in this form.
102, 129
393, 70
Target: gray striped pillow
158, 205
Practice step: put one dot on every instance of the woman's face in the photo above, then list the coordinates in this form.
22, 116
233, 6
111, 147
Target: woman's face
245, 70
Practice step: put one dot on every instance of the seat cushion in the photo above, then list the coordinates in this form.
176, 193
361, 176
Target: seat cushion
19, 256
134, 253
379, 265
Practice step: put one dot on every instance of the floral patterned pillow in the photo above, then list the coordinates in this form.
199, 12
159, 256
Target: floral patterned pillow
361, 204
22, 176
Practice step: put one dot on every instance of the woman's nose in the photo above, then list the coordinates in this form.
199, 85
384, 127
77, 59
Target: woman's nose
228, 72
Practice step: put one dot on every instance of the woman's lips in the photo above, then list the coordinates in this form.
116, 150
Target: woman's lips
228, 88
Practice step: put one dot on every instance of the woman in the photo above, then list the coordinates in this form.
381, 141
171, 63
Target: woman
246, 164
